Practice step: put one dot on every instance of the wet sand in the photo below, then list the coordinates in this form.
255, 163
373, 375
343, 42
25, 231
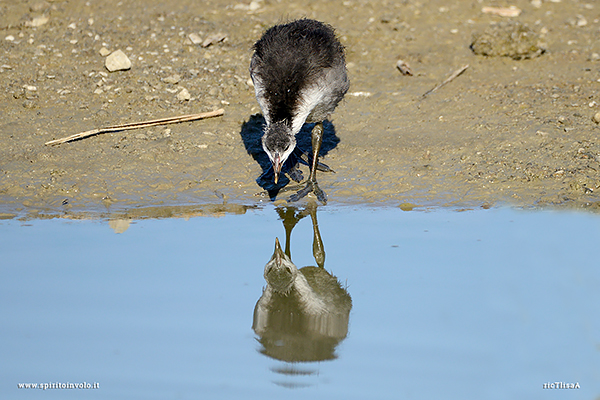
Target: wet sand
506, 131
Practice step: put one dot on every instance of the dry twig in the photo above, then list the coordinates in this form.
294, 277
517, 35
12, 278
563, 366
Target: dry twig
137, 125
454, 75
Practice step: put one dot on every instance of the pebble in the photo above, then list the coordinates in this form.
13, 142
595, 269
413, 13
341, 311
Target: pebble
184, 95
214, 38
404, 67
9, 38
596, 118
173, 79
253, 6
360, 94
37, 21
117, 61
195, 38
511, 11
104, 52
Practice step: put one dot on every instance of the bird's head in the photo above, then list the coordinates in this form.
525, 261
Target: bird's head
280, 271
278, 142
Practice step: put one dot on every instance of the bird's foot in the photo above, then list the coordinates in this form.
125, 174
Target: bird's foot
295, 174
311, 186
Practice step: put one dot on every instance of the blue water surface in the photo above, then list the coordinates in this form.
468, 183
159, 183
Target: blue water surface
477, 304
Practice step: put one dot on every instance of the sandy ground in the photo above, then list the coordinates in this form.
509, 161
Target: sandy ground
506, 131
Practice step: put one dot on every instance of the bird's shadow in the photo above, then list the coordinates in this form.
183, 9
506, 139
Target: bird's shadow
252, 132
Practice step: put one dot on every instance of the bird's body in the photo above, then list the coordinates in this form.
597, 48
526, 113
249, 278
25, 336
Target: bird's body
311, 296
299, 75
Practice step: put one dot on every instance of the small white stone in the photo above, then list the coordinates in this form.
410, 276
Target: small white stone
30, 88
596, 118
253, 6
72, 25
9, 38
360, 94
173, 79
37, 21
184, 95
104, 52
117, 61
195, 38
511, 11
213, 39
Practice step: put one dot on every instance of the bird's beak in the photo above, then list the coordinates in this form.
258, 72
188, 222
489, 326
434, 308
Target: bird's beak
277, 164
278, 253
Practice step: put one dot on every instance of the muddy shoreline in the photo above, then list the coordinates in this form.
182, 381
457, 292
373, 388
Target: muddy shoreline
518, 132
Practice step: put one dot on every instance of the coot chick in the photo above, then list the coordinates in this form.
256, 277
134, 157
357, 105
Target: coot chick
299, 75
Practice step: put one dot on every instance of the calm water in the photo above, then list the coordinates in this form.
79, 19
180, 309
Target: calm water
484, 304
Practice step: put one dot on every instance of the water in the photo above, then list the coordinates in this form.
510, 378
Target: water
486, 304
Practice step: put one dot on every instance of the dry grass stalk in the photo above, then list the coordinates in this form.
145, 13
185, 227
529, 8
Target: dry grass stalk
137, 125
454, 75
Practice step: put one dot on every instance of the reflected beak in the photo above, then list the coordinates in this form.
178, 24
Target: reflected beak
277, 164
278, 253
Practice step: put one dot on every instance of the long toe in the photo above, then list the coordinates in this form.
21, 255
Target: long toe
310, 187
300, 194
321, 196
295, 174
324, 167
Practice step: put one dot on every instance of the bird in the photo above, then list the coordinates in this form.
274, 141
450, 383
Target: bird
303, 313
299, 74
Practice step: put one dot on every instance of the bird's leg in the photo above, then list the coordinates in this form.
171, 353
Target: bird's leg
318, 248
311, 184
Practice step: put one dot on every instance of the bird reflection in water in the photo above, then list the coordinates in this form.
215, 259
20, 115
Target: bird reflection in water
302, 314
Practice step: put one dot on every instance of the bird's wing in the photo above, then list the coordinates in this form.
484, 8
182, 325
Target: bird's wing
259, 90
